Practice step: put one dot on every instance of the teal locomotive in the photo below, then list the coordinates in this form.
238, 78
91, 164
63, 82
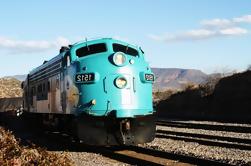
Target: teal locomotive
100, 90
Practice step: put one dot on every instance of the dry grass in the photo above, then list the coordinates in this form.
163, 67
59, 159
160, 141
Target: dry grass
12, 153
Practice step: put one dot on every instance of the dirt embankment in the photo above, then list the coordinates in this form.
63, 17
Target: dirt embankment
10, 87
230, 100
10, 104
10, 94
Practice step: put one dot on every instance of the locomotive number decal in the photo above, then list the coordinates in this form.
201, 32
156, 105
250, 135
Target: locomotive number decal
149, 77
85, 78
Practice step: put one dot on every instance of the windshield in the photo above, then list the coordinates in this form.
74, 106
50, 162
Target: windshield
124, 49
91, 49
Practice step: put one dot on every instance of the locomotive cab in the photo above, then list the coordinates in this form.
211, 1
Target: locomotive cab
116, 90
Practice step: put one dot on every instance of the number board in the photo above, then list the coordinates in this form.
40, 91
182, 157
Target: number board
84, 78
149, 77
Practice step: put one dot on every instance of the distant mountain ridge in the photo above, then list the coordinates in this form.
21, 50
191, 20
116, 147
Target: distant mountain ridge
166, 78
175, 78
18, 77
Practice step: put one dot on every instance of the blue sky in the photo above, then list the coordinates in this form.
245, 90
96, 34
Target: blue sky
210, 35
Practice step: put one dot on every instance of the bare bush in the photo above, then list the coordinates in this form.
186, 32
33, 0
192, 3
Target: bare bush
190, 86
249, 68
208, 87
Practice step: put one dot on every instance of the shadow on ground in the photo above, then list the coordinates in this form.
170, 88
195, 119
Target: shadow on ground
30, 133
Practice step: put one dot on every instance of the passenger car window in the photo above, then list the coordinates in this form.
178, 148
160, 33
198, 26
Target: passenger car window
124, 49
91, 49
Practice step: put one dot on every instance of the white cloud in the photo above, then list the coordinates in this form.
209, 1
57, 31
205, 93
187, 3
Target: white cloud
199, 34
243, 19
30, 46
223, 23
184, 36
61, 41
218, 23
210, 29
233, 31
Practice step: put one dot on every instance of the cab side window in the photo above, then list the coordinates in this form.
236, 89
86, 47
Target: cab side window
67, 60
91, 49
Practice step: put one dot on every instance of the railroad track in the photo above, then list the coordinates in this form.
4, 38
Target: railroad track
202, 141
135, 155
217, 127
206, 136
156, 157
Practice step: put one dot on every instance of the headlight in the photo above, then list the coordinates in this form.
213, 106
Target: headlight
119, 58
121, 82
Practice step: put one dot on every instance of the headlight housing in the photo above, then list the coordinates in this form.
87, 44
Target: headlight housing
121, 82
119, 58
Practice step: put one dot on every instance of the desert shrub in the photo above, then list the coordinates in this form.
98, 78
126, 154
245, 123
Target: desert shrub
190, 86
163, 95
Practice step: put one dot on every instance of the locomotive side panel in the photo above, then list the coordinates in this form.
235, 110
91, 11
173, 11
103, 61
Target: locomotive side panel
55, 95
42, 88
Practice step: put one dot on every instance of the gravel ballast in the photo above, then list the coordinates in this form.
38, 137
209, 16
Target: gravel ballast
231, 156
228, 155
207, 132
90, 159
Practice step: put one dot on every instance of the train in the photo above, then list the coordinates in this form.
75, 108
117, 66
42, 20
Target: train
99, 90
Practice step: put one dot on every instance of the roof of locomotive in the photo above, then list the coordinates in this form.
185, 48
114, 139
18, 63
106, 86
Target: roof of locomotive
102, 40
78, 45
46, 63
